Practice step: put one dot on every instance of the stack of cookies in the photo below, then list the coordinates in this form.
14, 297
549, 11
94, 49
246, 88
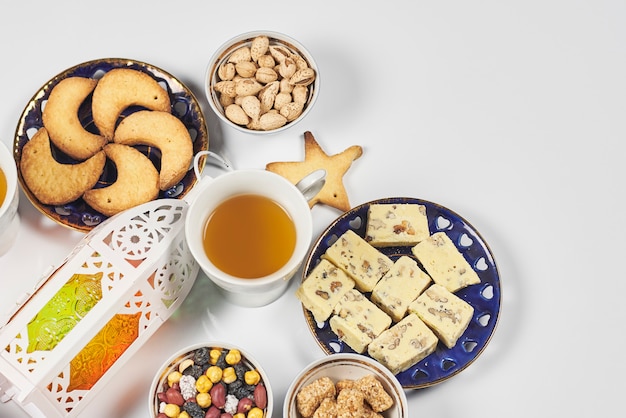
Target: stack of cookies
138, 179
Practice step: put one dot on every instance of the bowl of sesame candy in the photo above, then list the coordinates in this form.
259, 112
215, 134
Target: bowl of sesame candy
345, 385
210, 380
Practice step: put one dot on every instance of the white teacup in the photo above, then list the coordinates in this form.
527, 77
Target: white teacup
9, 218
210, 192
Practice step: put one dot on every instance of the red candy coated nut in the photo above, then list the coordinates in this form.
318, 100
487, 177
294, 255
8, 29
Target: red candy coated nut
173, 396
212, 412
260, 396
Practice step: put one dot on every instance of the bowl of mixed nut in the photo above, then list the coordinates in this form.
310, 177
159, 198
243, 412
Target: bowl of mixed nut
211, 380
345, 384
262, 82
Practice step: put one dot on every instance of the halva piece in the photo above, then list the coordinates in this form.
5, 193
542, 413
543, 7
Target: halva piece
362, 262
444, 263
357, 321
445, 313
374, 392
327, 409
309, 398
404, 282
322, 289
391, 224
365, 397
404, 344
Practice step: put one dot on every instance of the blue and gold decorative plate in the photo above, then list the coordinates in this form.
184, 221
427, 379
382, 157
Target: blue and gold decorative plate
484, 297
77, 214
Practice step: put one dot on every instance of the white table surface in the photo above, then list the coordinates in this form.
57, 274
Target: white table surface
512, 114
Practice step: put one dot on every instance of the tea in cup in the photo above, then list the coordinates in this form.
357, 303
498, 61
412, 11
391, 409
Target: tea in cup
249, 236
250, 231
9, 199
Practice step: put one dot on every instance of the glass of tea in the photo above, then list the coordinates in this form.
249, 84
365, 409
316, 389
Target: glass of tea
250, 231
9, 199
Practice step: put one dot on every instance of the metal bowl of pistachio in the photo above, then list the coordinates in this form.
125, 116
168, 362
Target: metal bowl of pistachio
262, 82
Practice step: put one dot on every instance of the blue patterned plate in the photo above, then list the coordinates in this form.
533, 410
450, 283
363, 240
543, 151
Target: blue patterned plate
484, 297
78, 215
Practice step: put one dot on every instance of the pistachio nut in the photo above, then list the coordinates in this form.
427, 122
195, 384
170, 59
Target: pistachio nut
266, 61
303, 77
281, 100
259, 47
300, 94
251, 105
291, 110
235, 114
247, 87
226, 71
267, 96
271, 120
239, 55
287, 68
246, 69
279, 52
226, 88
265, 75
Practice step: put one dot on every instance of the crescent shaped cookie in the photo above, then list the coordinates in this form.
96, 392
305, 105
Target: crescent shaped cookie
54, 183
164, 131
60, 118
123, 87
137, 182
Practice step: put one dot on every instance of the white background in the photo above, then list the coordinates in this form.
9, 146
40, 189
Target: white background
510, 113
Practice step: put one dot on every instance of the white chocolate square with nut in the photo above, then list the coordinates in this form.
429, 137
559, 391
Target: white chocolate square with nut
390, 224
362, 262
404, 282
444, 312
323, 288
357, 321
404, 344
444, 263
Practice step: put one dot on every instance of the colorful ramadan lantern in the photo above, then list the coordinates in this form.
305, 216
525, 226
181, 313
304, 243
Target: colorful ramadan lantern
87, 317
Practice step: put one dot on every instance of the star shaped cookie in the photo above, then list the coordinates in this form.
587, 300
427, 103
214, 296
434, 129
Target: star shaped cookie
333, 193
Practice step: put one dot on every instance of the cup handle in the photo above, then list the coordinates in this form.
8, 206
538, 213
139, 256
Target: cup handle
191, 195
196, 161
312, 183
